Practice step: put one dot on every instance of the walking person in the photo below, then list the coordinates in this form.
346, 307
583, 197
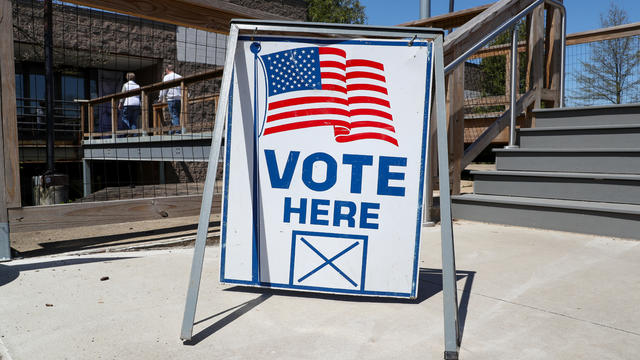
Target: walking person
130, 106
172, 96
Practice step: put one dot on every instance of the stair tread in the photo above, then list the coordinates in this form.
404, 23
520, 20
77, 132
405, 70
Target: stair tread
552, 203
569, 150
558, 174
587, 108
580, 127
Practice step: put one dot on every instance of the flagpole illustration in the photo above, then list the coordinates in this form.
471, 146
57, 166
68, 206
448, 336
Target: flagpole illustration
255, 274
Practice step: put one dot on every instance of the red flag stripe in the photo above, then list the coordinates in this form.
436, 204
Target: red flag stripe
368, 135
380, 89
364, 75
371, 112
306, 100
374, 124
368, 100
333, 64
305, 112
367, 63
304, 124
332, 87
332, 51
332, 75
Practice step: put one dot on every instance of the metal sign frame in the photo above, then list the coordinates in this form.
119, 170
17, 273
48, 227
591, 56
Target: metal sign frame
253, 27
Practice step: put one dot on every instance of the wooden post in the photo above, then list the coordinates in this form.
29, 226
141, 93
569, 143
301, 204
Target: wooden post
455, 124
144, 97
91, 123
9, 113
553, 43
184, 106
114, 119
535, 63
9, 159
82, 116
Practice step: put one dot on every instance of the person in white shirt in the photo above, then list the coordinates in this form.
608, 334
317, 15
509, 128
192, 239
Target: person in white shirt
172, 96
130, 106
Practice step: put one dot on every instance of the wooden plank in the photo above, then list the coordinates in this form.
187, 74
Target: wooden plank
35, 218
494, 130
449, 20
209, 15
11, 158
467, 35
609, 33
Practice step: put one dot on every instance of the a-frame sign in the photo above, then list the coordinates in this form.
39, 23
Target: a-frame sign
326, 150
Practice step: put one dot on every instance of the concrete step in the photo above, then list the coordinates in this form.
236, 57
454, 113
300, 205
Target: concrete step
616, 161
627, 114
575, 137
612, 188
617, 220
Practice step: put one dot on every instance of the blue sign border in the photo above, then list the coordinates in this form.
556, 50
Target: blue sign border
427, 115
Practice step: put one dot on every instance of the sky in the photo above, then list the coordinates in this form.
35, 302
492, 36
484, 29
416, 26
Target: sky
582, 15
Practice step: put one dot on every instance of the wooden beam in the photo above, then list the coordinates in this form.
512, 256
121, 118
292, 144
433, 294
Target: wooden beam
609, 33
450, 20
35, 218
209, 15
494, 130
9, 116
467, 35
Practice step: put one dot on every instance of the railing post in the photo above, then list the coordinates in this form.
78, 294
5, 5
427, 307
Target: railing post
114, 119
535, 65
513, 87
455, 115
82, 116
91, 123
184, 108
144, 97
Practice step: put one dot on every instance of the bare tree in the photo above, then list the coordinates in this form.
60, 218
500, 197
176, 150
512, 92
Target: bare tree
608, 74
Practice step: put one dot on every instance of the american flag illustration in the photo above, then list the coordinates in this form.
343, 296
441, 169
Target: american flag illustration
320, 86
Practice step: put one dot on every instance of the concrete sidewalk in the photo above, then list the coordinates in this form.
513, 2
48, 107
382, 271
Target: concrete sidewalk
524, 293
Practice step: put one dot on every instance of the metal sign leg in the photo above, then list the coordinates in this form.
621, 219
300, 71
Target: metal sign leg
207, 196
450, 294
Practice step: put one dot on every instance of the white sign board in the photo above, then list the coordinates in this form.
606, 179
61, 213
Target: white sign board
328, 138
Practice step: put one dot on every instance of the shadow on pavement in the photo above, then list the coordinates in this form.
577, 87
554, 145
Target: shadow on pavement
238, 311
8, 273
429, 284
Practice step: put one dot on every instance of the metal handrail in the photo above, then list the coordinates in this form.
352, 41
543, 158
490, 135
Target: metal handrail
514, 51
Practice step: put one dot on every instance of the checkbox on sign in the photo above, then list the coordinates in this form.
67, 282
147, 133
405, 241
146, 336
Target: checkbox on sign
328, 261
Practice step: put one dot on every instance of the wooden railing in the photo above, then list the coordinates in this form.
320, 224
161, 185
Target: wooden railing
543, 68
145, 93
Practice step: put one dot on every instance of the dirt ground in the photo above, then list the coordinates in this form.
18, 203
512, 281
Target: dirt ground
150, 233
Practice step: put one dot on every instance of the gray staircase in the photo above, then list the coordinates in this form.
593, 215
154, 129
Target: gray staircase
578, 170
